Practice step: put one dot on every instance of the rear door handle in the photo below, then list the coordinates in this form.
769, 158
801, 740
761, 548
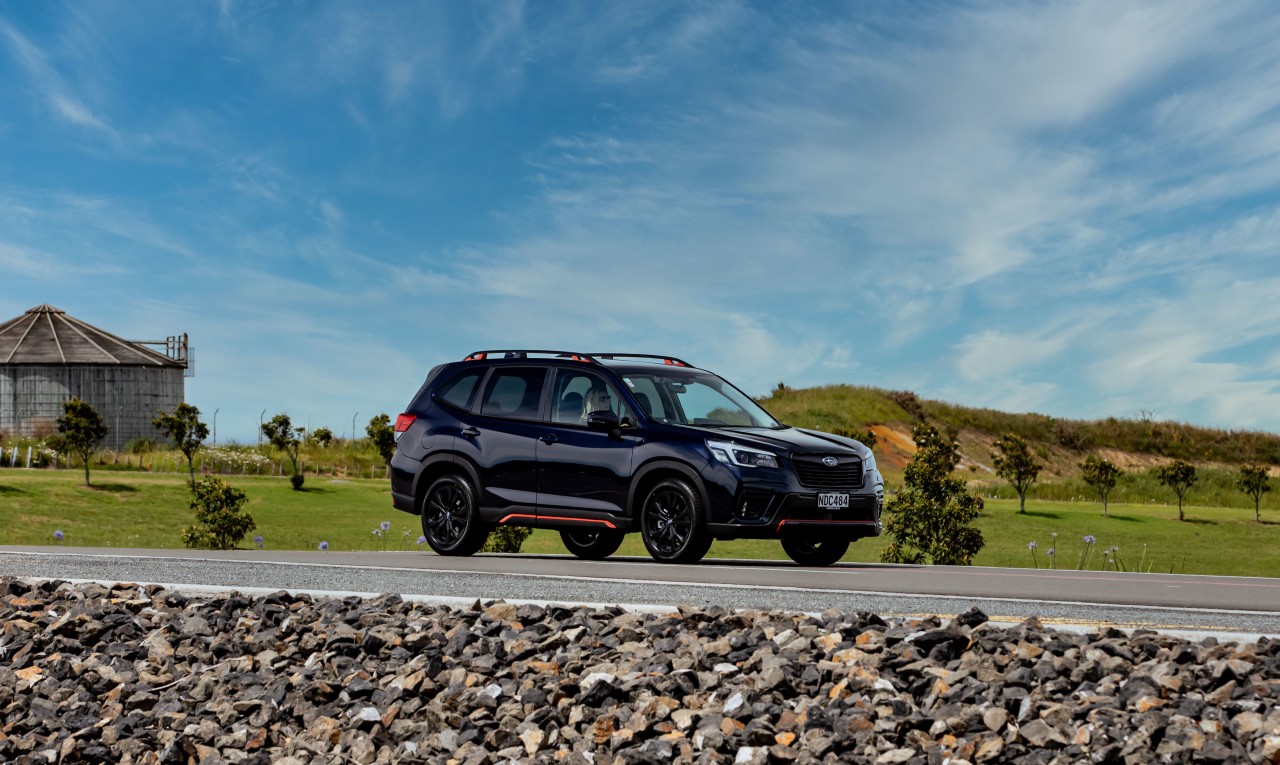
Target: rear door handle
549, 438
470, 432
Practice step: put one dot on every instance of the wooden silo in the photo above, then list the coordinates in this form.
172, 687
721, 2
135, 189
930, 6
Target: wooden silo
48, 357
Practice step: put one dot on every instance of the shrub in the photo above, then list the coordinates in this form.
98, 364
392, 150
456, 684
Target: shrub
930, 519
506, 539
909, 402
141, 446
221, 522
296, 481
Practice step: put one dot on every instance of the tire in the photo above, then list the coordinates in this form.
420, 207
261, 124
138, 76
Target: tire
672, 525
451, 517
592, 544
812, 551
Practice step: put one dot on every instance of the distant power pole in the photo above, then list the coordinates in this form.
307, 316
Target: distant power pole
264, 414
353, 426
215, 426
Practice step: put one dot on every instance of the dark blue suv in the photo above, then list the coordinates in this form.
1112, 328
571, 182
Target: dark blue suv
596, 445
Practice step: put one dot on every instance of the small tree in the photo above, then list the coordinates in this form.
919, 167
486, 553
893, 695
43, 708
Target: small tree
322, 436
1254, 481
1180, 477
82, 429
1017, 465
930, 519
186, 431
1101, 475
383, 436
283, 436
221, 524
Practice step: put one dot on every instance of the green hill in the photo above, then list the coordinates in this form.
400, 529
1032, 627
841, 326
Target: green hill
853, 408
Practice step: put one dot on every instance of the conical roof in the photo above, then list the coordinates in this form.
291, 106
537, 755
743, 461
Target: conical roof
47, 335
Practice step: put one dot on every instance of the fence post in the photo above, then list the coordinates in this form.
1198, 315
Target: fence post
15, 454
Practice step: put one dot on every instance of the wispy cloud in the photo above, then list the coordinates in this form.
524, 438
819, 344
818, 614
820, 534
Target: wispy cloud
49, 83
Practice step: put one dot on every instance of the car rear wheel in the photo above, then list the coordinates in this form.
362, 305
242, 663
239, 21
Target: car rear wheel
672, 525
451, 518
592, 544
811, 551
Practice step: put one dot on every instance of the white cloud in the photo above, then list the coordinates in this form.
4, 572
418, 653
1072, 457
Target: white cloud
50, 82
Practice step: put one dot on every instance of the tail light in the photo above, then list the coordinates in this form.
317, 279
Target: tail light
403, 421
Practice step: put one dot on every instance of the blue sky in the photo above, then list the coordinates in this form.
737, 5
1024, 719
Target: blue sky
1063, 207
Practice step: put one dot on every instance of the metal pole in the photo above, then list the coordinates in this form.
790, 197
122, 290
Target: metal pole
215, 425
353, 426
264, 413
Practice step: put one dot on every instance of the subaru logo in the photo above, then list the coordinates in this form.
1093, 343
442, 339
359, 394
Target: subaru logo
830, 461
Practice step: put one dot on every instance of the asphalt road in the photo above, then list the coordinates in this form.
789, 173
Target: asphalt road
1237, 606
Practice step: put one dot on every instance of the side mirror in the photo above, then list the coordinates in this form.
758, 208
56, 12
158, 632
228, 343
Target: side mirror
604, 421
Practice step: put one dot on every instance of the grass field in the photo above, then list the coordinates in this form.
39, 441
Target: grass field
149, 510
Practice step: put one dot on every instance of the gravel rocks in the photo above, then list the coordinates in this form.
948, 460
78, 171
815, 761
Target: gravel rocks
135, 674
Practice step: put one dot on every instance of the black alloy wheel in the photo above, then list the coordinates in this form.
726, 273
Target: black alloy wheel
671, 523
592, 544
451, 519
815, 551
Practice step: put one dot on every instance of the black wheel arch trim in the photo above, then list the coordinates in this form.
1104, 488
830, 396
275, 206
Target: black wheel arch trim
638, 479
446, 458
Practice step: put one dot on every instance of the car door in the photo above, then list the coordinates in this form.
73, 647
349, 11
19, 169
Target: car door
500, 438
583, 473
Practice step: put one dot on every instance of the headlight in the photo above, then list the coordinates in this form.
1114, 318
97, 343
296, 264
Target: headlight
742, 456
869, 463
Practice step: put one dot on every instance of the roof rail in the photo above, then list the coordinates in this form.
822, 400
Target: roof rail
671, 361
524, 353
590, 358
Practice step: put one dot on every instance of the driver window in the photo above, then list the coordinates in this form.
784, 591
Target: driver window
579, 392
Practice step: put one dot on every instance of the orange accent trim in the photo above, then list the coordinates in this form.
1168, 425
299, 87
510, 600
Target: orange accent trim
580, 358
803, 520
673, 363
477, 357
556, 518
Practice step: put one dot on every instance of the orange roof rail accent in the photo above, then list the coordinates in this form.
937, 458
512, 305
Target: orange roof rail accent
477, 357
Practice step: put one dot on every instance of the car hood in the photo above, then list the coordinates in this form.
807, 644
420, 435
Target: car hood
786, 440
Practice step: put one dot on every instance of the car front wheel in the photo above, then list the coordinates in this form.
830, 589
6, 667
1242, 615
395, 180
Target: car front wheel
592, 544
671, 523
451, 518
809, 551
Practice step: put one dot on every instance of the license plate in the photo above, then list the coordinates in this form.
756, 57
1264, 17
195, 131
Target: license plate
833, 501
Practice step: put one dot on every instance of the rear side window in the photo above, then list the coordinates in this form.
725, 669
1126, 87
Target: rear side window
514, 393
458, 390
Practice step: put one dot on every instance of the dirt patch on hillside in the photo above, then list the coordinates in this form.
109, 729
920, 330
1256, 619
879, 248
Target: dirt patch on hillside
894, 448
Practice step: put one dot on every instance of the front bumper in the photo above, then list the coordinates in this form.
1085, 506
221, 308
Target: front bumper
772, 506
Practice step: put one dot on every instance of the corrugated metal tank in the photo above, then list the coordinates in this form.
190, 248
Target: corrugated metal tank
48, 357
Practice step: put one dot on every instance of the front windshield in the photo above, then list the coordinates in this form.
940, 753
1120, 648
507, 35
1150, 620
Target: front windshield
704, 400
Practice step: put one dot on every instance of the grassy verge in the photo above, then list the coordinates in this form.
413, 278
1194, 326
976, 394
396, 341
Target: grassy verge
148, 510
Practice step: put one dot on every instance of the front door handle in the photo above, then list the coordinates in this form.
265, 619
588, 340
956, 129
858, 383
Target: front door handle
471, 432
549, 438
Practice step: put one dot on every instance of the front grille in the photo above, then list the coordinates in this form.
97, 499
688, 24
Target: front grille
846, 474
